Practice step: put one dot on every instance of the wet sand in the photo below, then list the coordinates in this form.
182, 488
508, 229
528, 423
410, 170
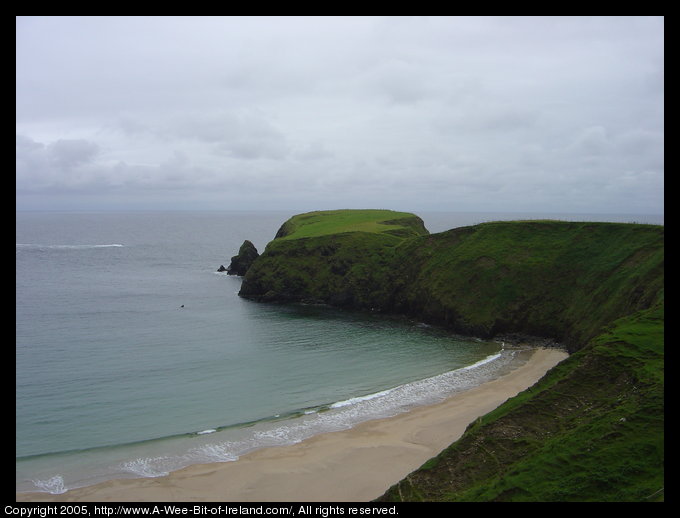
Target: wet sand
354, 465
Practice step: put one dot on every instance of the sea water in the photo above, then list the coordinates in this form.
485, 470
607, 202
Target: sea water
135, 357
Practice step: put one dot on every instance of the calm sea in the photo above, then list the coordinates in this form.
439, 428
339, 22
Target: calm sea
135, 357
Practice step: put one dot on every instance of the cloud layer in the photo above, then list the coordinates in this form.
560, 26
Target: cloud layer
560, 114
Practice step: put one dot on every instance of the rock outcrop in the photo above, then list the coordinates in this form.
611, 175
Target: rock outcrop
338, 257
241, 263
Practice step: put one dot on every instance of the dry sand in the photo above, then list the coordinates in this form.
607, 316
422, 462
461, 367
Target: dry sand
355, 465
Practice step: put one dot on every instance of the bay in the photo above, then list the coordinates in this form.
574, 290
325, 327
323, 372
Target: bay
135, 357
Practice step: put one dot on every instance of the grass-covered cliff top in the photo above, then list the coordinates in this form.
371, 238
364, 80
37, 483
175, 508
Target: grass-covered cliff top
321, 223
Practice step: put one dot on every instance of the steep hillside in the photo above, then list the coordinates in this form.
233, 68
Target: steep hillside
592, 429
557, 279
562, 280
335, 257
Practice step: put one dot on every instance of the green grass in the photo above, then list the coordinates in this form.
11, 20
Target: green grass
321, 223
558, 279
590, 430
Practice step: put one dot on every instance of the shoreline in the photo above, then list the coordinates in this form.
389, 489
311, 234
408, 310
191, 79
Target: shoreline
357, 464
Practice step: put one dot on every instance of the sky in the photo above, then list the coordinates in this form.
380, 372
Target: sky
528, 114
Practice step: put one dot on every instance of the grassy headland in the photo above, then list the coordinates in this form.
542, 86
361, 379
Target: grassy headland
335, 257
375, 221
592, 429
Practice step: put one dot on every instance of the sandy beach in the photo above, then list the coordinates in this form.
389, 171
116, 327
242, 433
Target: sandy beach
354, 465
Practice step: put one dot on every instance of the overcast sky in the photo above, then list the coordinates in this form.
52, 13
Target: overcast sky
459, 114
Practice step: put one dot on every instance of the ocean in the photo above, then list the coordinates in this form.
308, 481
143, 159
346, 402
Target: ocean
135, 357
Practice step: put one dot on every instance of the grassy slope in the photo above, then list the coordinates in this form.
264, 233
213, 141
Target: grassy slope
590, 430
563, 280
593, 428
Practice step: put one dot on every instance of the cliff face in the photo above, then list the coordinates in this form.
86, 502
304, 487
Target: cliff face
593, 427
561, 280
556, 279
241, 263
336, 257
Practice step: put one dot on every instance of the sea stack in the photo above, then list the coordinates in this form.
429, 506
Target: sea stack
241, 262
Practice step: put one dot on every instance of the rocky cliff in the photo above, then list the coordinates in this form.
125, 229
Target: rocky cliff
563, 280
335, 257
241, 262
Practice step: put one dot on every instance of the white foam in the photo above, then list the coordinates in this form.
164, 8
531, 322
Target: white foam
145, 467
221, 452
420, 389
286, 434
488, 359
358, 399
54, 485
347, 413
67, 247
212, 445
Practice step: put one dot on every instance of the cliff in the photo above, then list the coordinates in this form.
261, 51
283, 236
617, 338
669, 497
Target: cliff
241, 262
597, 287
335, 257
563, 280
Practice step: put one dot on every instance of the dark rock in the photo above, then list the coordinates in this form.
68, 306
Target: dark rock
241, 262
221, 268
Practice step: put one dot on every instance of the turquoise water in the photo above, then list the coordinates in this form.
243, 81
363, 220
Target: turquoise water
115, 379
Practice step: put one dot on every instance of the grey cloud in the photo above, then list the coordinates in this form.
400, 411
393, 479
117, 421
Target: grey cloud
63, 161
480, 116
241, 135
67, 154
32, 162
252, 149
591, 141
400, 81
431, 112
643, 143
314, 151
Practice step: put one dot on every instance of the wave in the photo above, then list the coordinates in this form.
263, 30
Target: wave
54, 485
36, 246
359, 399
160, 456
429, 390
145, 467
405, 387
481, 362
